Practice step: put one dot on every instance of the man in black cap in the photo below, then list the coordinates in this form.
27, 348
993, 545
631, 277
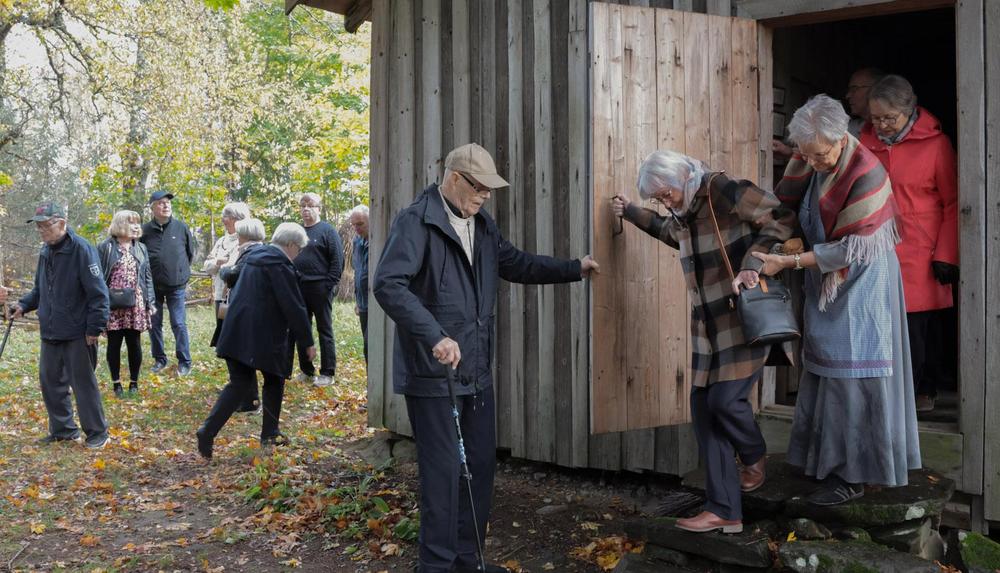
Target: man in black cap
171, 249
72, 302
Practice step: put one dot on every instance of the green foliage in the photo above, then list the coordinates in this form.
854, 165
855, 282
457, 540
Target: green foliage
221, 4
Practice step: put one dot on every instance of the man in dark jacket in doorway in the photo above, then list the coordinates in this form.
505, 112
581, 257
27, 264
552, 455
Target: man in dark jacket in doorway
437, 279
171, 249
72, 303
320, 265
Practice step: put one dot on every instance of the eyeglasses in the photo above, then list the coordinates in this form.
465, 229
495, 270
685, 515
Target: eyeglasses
46, 225
483, 190
818, 156
888, 119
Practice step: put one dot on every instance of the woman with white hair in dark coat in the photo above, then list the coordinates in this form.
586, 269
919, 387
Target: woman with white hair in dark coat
855, 420
264, 306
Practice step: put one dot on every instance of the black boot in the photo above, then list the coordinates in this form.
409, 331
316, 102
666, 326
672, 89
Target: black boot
119, 392
204, 443
133, 387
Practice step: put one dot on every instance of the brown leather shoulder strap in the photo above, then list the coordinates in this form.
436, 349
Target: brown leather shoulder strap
715, 223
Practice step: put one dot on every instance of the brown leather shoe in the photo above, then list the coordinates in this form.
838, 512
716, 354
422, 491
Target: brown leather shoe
752, 476
707, 521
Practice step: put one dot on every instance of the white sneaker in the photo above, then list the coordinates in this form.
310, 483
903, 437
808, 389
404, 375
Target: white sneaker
322, 380
303, 377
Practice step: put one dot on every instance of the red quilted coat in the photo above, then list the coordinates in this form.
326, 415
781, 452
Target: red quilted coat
924, 181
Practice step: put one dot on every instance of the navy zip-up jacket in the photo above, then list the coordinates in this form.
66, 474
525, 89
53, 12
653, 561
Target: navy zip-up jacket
69, 293
425, 283
171, 249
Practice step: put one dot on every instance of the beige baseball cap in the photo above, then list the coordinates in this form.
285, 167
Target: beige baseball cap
475, 161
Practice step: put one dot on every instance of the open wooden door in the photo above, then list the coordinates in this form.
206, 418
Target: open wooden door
660, 79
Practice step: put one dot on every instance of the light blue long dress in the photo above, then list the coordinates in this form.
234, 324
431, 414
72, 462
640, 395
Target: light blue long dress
854, 415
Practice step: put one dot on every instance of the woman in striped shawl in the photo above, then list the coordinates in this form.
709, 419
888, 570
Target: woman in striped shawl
723, 367
855, 420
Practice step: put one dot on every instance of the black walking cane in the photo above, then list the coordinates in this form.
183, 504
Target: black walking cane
465, 465
3, 345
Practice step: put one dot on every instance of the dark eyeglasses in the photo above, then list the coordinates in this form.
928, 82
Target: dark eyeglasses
473, 184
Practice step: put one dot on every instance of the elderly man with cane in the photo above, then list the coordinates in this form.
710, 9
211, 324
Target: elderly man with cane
72, 302
437, 279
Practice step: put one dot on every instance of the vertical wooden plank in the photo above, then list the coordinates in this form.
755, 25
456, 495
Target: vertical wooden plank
561, 224
608, 402
379, 352
642, 331
718, 7
401, 141
432, 160
697, 114
460, 72
501, 366
673, 309
541, 425
765, 99
579, 242
720, 93
745, 117
514, 376
991, 461
684, 5
972, 238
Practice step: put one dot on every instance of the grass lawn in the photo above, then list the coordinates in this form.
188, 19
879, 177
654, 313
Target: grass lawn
148, 501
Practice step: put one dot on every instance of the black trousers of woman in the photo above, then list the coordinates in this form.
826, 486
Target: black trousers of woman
133, 341
724, 424
241, 379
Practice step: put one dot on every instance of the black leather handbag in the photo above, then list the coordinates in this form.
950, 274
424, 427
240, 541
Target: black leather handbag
121, 298
765, 311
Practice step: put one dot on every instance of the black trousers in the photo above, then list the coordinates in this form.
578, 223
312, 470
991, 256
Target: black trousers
63, 365
929, 342
241, 379
724, 424
363, 318
447, 533
319, 300
133, 341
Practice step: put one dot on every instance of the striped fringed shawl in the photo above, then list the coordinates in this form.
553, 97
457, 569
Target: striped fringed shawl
855, 206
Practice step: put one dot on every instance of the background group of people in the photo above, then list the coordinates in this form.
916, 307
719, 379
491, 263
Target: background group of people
122, 287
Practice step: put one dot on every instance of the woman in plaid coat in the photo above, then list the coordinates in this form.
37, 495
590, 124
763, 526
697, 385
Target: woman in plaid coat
724, 368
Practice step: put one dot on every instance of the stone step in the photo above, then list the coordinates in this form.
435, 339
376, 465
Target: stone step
785, 491
747, 549
814, 556
633, 563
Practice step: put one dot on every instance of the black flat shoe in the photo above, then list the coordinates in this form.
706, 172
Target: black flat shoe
133, 388
836, 493
119, 391
278, 439
204, 444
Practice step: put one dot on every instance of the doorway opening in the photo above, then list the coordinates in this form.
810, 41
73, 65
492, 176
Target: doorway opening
820, 58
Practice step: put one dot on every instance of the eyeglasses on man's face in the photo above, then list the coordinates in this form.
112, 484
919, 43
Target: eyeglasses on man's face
474, 185
887, 119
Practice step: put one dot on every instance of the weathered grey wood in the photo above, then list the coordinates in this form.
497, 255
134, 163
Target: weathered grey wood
501, 208
579, 240
718, 7
972, 237
684, 5
430, 92
461, 72
991, 461
379, 169
765, 98
513, 377
541, 425
640, 450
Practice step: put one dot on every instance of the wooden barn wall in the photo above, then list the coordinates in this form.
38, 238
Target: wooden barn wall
511, 75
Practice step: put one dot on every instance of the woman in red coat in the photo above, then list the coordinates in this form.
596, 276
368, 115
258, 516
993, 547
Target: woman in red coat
921, 165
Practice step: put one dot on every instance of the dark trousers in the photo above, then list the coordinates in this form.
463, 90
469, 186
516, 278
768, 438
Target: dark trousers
70, 364
171, 301
133, 341
447, 533
319, 299
724, 424
242, 381
363, 318
928, 331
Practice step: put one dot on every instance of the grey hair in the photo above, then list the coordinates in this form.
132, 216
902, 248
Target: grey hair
288, 234
821, 118
665, 169
358, 210
236, 211
896, 92
250, 229
312, 197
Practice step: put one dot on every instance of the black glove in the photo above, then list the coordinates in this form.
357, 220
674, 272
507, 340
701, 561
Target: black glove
945, 273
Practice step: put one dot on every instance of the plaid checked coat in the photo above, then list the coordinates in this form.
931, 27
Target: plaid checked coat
750, 219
